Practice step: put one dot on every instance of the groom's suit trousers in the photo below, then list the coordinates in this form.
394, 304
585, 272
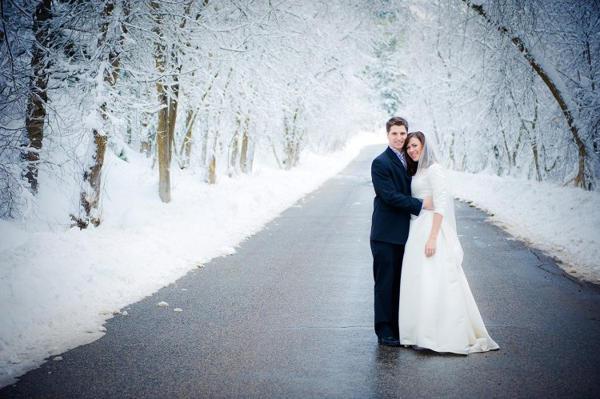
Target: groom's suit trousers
387, 268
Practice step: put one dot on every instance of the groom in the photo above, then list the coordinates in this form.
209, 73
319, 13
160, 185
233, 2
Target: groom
393, 206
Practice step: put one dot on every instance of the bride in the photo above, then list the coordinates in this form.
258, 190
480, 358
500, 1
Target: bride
437, 309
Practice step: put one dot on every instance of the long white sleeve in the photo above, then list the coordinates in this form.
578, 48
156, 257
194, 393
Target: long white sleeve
437, 178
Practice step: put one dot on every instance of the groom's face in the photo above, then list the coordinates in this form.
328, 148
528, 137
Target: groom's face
397, 137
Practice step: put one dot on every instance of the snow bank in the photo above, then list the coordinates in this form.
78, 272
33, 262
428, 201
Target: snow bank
564, 222
58, 285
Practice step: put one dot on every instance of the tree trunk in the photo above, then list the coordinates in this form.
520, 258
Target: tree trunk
176, 56
212, 170
234, 148
530, 132
92, 177
186, 145
451, 152
162, 147
38, 95
204, 153
146, 148
172, 116
505, 142
145, 142
580, 179
89, 200
293, 140
162, 130
534, 142
212, 167
245, 165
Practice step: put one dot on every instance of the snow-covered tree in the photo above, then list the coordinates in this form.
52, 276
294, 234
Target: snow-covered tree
208, 86
508, 86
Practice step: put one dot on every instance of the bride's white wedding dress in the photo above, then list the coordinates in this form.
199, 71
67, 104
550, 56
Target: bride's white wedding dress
437, 309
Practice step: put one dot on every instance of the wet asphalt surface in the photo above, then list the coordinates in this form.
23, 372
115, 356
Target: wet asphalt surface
290, 315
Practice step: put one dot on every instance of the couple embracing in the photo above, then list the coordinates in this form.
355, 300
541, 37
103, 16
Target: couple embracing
422, 298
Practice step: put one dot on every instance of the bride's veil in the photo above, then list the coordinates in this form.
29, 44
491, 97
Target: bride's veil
429, 157
428, 154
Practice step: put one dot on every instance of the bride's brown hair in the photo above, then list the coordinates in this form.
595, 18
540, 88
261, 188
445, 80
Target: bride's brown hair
411, 165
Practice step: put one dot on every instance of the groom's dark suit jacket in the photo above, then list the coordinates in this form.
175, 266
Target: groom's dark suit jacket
393, 203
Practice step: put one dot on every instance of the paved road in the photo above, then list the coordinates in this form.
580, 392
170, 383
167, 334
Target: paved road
289, 315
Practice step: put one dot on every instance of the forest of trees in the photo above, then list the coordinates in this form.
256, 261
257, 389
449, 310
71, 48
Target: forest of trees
192, 84
506, 86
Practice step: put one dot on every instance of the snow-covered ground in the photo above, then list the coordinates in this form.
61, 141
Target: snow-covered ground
58, 285
564, 222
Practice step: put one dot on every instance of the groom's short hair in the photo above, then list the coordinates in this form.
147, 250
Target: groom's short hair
396, 121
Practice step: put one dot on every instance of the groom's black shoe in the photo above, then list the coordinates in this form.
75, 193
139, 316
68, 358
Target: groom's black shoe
388, 341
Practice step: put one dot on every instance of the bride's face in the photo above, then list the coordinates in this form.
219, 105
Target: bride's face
414, 148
